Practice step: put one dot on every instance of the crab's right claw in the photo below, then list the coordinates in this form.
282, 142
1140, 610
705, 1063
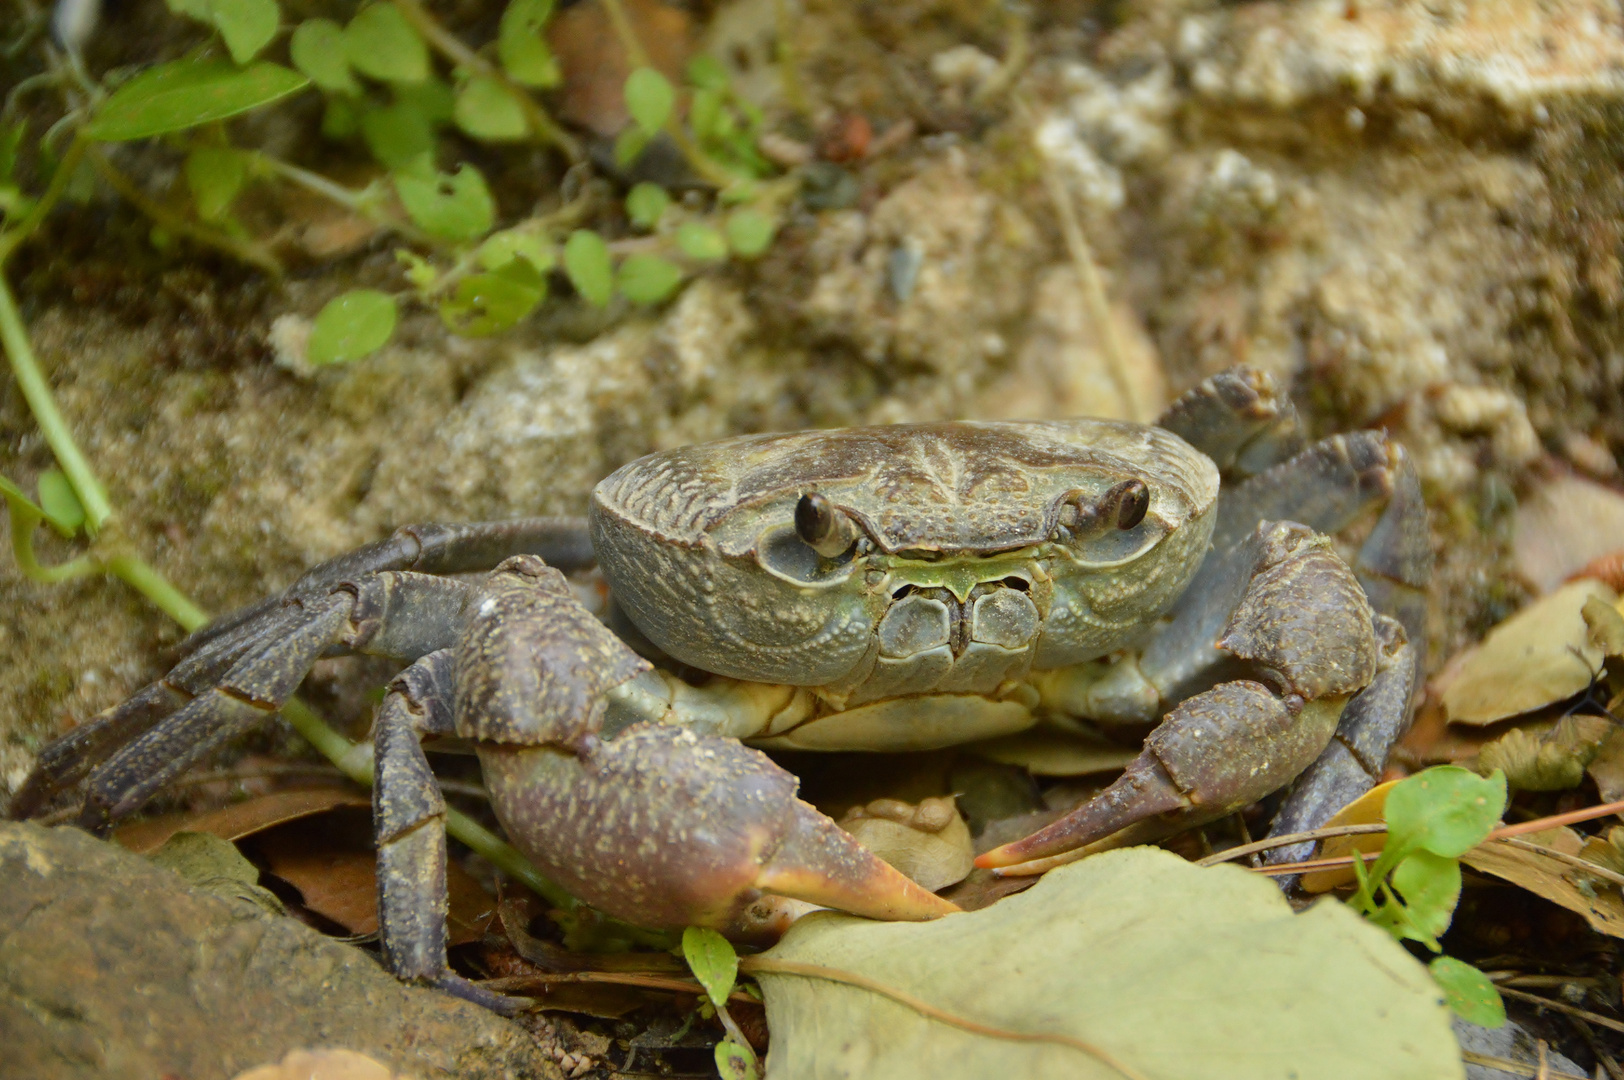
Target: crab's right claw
665, 828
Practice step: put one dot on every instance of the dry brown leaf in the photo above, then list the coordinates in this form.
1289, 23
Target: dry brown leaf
323, 1065
1558, 881
1367, 809
1554, 760
594, 65
333, 865
1541, 655
1607, 767
240, 819
1563, 524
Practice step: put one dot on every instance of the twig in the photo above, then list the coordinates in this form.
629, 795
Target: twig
521, 983
764, 965
1471, 1057
1563, 1007
1287, 839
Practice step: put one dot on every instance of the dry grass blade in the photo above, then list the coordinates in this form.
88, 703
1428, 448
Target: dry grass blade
1563, 1007
1517, 1068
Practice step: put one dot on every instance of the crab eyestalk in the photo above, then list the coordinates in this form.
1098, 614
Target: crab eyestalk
664, 829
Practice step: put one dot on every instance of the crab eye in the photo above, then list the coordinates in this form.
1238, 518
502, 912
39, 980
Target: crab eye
822, 527
1132, 500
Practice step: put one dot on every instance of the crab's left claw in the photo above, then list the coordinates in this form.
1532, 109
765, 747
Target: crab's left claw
1303, 624
665, 828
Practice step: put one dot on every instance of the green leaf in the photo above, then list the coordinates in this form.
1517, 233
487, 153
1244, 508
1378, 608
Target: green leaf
1446, 810
1430, 885
713, 961
648, 279
749, 232
397, 134
705, 113
186, 93
735, 1062
521, 48
1469, 992
382, 45
340, 119
215, 174
247, 25
352, 325
700, 241
649, 99
485, 304
1173, 970
503, 247
419, 271
586, 261
646, 204
59, 502
452, 206
485, 110
629, 145
11, 140
318, 50
432, 97
707, 73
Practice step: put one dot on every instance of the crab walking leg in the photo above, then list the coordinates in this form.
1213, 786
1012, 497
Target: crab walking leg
408, 814
1305, 625
659, 826
1239, 419
391, 614
1353, 760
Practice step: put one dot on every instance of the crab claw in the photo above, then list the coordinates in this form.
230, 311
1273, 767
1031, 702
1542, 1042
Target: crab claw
1214, 754
664, 829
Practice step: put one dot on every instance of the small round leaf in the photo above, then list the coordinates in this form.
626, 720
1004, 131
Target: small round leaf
382, 45
1469, 992
486, 304
586, 261
649, 99
648, 279
707, 73
453, 206
1446, 810
215, 174
397, 134
317, 49
351, 326
629, 145
486, 110
521, 48
646, 204
700, 241
749, 232
503, 247
713, 961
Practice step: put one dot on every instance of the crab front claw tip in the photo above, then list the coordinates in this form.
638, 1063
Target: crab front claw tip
1143, 790
821, 863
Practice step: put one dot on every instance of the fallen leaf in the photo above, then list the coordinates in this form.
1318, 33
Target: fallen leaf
331, 861
594, 64
1367, 809
1607, 767
1166, 968
1556, 880
215, 866
1542, 654
1563, 524
1047, 752
240, 819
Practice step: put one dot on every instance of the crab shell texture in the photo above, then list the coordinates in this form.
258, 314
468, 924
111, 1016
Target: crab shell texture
961, 574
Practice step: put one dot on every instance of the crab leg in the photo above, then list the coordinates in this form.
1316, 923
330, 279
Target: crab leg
1239, 419
1305, 625
389, 614
658, 826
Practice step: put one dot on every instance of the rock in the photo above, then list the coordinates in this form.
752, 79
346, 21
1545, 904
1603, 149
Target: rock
112, 967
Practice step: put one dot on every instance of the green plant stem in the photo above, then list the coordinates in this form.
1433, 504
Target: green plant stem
11, 238
453, 49
140, 576
241, 250
37, 392
361, 202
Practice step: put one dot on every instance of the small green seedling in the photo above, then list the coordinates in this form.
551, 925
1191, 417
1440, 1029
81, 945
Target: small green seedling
1434, 818
350, 326
714, 963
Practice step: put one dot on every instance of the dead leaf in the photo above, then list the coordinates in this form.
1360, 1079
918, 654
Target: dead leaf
1607, 767
1542, 654
331, 861
594, 64
1558, 881
1563, 524
1368, 809
323, 1065
1170, 969
1553, 761
240, 819
1047, 752
212, 865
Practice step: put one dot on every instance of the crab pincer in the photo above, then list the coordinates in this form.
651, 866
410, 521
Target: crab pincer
1305, 629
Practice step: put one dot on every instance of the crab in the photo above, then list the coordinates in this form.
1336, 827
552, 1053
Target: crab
886, 588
